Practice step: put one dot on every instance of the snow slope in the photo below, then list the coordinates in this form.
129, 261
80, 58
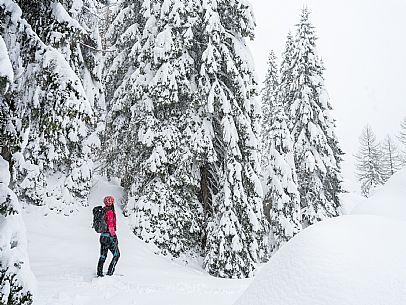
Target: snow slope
349, 201
349, 260
64, 252
353, 260
389, 200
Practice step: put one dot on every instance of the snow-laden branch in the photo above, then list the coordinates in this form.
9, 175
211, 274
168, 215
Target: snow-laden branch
97, 50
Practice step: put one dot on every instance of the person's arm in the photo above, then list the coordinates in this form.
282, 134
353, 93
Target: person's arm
110, 222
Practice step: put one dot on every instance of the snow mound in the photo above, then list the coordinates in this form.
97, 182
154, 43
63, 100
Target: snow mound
351, 260
389, 200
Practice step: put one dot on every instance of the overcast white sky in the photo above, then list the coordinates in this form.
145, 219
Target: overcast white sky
362, 43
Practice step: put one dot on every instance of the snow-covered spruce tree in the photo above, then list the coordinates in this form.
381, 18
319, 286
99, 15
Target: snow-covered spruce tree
17, 283
317, 153
270, 95
282, 193
236, 237
89, 67
269, 98
71, 27
151, 109
370, 171
286, 80
55, 115
281, 201
122, 41
391, 159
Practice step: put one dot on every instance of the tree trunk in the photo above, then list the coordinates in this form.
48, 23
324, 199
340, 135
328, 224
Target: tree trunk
204, 192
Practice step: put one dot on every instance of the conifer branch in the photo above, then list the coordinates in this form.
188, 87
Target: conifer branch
97, 50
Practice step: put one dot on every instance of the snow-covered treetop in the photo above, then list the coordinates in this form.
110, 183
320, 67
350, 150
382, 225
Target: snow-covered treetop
287, 53
271, 79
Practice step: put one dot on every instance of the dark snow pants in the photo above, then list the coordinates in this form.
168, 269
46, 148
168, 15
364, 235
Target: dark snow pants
108, 243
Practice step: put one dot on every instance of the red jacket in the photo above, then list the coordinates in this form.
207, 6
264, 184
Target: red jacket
111, 222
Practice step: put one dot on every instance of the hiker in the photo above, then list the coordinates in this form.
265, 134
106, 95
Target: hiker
108, 239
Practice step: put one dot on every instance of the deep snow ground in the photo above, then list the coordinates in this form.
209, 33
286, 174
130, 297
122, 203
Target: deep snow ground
358, 259
347, 260
64, 252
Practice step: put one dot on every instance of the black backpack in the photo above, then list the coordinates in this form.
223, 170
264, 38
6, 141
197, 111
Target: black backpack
99, 222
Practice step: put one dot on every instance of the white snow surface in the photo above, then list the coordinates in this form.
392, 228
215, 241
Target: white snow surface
389, 200
349, 201
61, 15
6, 70
351, 260
64, 252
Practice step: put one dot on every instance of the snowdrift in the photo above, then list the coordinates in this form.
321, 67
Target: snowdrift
349, 201
389, 200
351, 260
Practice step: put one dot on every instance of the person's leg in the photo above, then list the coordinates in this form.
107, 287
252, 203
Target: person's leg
103, 254
116, 255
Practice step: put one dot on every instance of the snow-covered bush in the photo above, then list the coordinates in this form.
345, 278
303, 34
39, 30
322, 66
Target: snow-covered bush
17, 283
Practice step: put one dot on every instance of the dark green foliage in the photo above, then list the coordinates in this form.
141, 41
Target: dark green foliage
6, 208
16, 295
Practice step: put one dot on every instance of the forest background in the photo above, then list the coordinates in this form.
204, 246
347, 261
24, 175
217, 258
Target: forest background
361, 46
